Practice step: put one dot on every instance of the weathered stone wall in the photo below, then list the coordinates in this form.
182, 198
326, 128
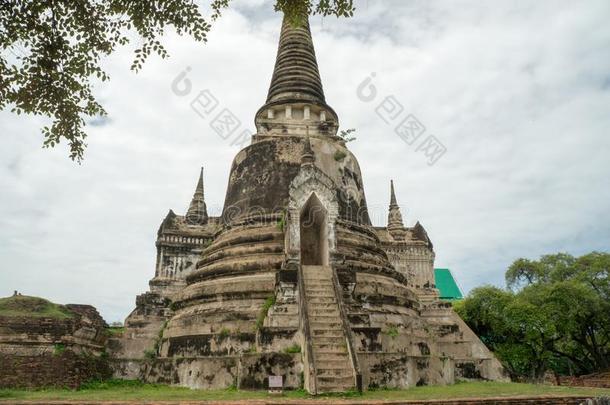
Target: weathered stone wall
399, 370
66, 369
262, 172
245, 371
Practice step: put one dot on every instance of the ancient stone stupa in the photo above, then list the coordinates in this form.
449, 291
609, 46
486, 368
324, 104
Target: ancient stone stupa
292, 279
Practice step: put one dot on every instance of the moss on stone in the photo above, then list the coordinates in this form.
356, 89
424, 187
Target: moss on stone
339, 155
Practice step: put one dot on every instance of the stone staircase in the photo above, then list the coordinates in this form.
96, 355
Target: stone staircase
334, 370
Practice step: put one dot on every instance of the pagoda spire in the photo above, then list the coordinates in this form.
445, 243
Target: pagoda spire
295, 101
296, 76
395, 224
197, 213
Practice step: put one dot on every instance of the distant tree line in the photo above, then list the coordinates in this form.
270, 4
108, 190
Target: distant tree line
553, 316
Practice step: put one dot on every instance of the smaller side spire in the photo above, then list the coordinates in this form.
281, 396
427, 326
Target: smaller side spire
197, 213
392, 194
395, 224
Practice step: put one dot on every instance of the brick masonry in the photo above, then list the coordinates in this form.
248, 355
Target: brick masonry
599, 380
62, 370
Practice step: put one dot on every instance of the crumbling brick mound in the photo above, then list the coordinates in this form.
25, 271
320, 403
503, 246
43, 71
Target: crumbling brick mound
597, 380
67, 369
33, 326
23, 305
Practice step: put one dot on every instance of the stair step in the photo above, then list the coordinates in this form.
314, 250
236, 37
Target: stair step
322, 305
320, 294
312, 293
336, 381
322, 300
313, 312
334, 372
328, 339
324, 315
311, 287
333, 390
325, 323
338, 348
333, 364
335, 334
319, 284
330, 308
319, 327
324, 312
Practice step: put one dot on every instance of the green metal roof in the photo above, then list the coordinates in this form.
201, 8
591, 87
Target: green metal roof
446, 285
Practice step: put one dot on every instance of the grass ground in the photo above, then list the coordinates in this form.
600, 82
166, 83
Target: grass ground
23, 305
133, 390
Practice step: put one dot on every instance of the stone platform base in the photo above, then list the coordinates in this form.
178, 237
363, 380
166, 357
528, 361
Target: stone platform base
251, 370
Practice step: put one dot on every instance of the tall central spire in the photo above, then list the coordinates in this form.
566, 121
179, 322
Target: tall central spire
296, 76
295, 102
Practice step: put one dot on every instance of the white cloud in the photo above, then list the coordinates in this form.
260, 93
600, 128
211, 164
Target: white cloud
518, 93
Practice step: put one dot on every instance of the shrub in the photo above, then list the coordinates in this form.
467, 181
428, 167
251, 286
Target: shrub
58, 349
224, 333
392, 332
269, 302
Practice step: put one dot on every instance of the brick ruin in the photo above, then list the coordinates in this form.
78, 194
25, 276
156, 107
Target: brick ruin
42, 351
292, 278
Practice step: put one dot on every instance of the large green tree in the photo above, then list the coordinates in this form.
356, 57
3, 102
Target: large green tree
50, 50
554, 315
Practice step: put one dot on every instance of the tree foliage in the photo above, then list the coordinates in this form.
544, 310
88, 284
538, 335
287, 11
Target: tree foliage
51, 50
555, 315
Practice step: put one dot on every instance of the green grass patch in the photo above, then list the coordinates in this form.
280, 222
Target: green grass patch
114, 390
295, 348
23, 305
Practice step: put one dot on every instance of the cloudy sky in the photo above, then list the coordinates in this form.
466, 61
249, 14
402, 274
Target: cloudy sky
517, 92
